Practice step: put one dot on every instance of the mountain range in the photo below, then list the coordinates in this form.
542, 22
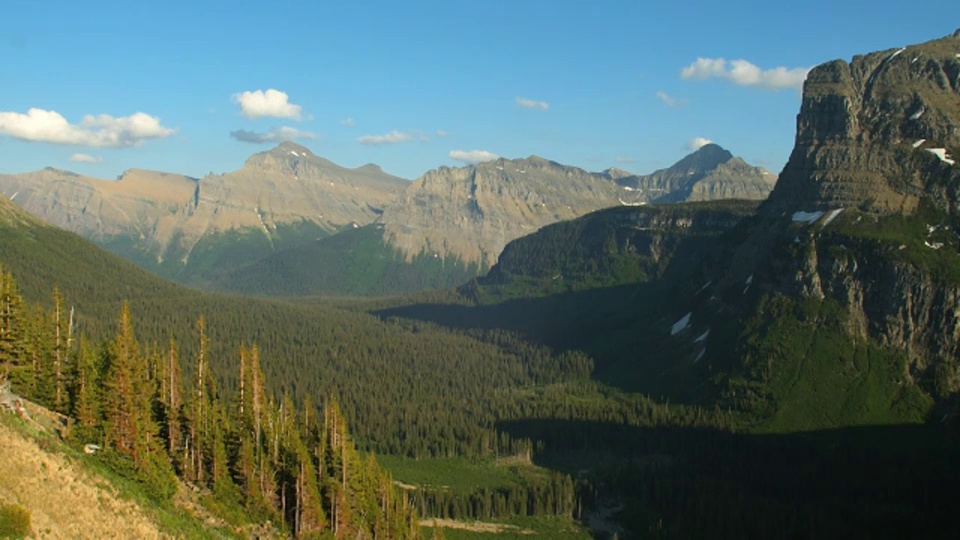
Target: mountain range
218, 230
185, 228
733, 368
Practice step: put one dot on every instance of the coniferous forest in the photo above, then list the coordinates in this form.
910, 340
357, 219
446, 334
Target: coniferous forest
257, 453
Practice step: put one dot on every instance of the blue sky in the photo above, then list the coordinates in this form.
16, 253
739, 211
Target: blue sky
407, 85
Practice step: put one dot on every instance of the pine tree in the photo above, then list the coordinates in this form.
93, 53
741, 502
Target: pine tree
39, 347
13, 334
120, 410
86, 398
171, 398
199, 419
62, 335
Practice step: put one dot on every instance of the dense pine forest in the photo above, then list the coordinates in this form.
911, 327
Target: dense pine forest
258, 455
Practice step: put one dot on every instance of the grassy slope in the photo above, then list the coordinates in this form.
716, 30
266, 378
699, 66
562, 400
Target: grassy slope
465, 476
461, 475
353, 262
798, 369
216, 254
70, 494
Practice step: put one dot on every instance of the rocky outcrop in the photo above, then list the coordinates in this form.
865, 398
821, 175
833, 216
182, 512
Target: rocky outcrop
897, 304
879, 132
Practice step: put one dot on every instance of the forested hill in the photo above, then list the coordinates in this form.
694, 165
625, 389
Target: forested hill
260, 457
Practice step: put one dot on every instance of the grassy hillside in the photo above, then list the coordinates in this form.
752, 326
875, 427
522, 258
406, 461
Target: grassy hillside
68, 494
353, 262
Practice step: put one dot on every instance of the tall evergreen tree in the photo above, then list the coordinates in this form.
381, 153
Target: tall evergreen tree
85, 392
13, 333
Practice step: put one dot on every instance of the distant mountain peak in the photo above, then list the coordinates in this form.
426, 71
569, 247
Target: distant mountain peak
617, 173
290, 146
707, 157
709, 173
370, 167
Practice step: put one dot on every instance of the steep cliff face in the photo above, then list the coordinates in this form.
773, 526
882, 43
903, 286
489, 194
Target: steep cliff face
878, 132
897, 302
470, 213
877, 137
864, 214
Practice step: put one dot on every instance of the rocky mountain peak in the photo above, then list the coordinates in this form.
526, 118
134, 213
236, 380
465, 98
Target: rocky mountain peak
290, 146
705, 158
878, 132
709, 173
285, 157
616, 173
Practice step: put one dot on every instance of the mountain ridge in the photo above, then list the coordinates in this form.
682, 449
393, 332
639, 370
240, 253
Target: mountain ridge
197, 231
181, 227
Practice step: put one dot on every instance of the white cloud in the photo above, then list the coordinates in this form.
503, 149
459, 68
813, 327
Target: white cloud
393, 137
532, 104
272, 103
346, 122
275, 135
669, 100
101, 131
744, 73
442, 133
625, 159
85, 158
697, 142
472, 156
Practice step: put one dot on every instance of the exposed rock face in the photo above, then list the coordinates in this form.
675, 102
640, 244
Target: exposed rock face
869, 131
710, 173
167, 213
472, 212
897, 304
289, 183
142, 204
183, 227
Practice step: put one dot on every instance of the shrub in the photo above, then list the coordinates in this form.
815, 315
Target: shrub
14, 521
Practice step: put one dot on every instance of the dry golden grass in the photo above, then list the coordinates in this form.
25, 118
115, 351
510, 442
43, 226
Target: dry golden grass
63, 500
